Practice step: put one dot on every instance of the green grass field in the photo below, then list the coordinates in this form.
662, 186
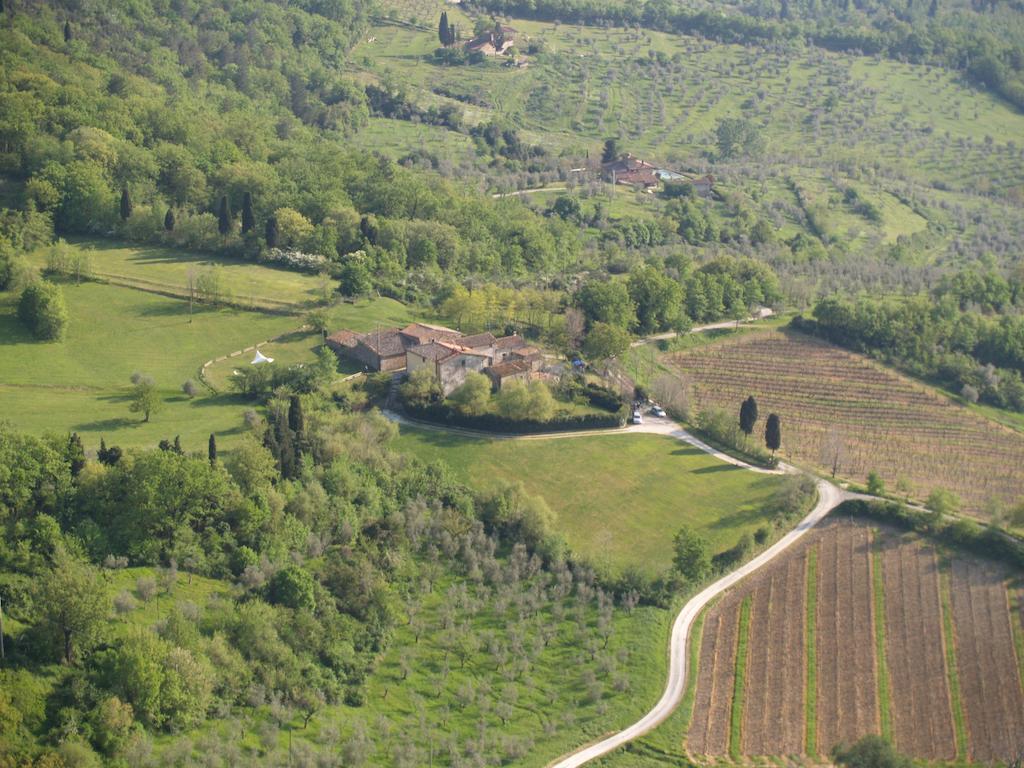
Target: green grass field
619, 498
167, 270
81, 384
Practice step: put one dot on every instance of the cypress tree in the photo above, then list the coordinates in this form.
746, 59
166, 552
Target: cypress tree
773, 433
224, 216
169, 220
443, 29
748, 415
453, 35
177, 445
76, 454
212, 449
68, 36
933, 9
126, 204
271, 233
248, 220
296, 419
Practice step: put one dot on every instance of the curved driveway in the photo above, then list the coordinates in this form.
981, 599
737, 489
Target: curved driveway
829, 496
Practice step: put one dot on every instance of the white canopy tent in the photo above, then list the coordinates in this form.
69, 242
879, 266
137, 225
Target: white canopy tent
261, 358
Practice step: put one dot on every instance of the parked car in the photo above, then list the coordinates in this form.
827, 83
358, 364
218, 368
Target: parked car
658, 411
638, 417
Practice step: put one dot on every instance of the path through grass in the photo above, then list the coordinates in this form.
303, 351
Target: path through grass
739, 683
949, 636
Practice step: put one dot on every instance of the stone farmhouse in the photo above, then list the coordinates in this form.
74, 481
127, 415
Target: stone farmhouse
447, 352
632, 171
493, 42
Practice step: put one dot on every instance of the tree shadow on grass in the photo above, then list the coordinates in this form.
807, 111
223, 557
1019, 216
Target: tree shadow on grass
723, 467
104, 425
740, 518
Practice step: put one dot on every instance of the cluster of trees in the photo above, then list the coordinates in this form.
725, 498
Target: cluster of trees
978, 354
322, 549
650, 300
986, 47
245, 168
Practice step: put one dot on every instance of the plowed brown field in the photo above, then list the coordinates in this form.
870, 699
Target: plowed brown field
773, 718
992, 696
922, 718
847, 701
709, 729
829, 399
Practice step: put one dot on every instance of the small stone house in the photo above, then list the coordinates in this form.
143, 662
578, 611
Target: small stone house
512, 370
450, 363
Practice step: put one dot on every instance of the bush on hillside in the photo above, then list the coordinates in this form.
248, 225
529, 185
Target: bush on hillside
43, 311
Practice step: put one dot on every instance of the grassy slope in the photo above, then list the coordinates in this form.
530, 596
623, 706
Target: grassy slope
81, 383
619, 498
167, 269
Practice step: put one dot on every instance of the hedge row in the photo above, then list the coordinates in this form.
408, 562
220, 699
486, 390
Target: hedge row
982, 540
603, 397
492, 422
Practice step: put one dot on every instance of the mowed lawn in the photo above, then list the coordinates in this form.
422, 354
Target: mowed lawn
167, 269
81, 383
619, 498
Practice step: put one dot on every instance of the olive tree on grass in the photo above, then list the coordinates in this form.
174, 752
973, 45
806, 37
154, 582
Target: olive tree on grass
145, 398
691, 557
42, 309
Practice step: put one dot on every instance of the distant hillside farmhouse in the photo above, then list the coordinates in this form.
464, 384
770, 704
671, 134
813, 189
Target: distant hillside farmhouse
493, 42
632, 171
447, 352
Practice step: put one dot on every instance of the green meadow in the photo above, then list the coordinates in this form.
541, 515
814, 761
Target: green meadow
82, 383
619, 498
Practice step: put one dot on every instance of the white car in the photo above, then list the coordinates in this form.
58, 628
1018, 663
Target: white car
658, 411
637, 417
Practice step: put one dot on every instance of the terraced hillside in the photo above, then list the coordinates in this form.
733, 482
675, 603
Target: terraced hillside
841, 409
898, 640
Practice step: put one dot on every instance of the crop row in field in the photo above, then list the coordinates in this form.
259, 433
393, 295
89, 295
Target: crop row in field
841, 410
845, 669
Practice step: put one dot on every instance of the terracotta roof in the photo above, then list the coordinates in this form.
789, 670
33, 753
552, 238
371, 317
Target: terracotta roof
343, 338
509, 368
515, 341
387, 342
433, 351
526, 352
476, 341
422, 332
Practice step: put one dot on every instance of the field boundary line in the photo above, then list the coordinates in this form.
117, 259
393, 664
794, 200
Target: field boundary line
696, 645
1016, 599
952, 671
882, 660
163, 289
739, 681
811, 665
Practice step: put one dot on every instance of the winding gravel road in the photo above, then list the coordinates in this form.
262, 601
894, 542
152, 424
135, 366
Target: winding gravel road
829, 496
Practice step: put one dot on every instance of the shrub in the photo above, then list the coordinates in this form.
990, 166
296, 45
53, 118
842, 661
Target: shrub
145, 588
124, 602
496, 422
43, 311
190, 388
